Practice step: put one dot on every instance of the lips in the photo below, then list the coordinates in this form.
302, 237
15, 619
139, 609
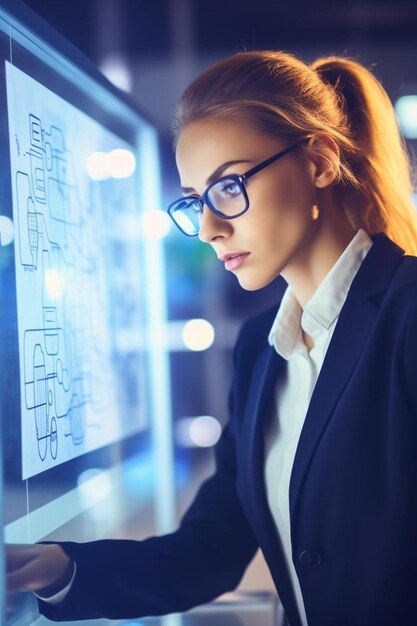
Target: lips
233, 260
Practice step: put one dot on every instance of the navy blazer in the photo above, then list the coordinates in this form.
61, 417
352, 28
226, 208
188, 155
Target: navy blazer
352, 491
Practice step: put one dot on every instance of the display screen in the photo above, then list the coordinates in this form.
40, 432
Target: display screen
64, 220
79, 171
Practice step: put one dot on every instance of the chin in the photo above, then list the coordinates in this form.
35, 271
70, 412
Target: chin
253, 284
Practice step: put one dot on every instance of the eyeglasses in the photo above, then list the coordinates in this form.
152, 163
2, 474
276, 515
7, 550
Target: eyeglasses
226, 197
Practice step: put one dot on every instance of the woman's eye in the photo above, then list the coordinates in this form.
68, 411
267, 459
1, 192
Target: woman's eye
190, 204
231, 189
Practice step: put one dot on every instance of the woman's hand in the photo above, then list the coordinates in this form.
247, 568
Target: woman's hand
44, 568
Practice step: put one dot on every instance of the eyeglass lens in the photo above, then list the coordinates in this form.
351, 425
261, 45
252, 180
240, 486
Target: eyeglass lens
186, 213
226, 196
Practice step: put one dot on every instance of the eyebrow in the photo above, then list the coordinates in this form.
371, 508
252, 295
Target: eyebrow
217, 173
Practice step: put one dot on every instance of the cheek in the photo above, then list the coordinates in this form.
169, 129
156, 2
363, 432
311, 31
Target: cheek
294, 189
289, 199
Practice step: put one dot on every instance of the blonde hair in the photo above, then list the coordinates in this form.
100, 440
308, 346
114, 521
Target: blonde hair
279, 94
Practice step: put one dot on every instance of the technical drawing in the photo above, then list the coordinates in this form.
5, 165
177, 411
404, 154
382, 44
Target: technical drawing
40, 393
68, 376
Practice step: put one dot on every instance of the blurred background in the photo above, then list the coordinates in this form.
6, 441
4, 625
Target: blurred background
152, 49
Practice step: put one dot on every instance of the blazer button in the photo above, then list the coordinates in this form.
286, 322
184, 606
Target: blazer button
309, 559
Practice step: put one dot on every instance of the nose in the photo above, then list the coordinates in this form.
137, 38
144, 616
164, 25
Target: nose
212, 226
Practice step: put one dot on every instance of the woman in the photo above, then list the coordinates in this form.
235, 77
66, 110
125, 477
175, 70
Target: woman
300, 171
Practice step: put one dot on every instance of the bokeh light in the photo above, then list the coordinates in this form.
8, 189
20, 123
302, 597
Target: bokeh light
156, 224
96, 166
205, 431
55, 284
202, 432
6, 230
94, 485
406, 110
120, 163
198, 334
116, 70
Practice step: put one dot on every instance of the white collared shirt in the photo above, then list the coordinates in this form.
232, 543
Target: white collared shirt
293, 393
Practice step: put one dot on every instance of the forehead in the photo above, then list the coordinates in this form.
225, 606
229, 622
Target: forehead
204, 145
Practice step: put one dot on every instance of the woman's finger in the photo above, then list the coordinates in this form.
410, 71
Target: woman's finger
29, 577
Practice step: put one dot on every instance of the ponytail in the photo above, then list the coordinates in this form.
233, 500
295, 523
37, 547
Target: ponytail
382, 165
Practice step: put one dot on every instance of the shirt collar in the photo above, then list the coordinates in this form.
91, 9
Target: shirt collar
323, 308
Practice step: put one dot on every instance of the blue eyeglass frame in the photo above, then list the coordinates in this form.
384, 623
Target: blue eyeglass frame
240, 179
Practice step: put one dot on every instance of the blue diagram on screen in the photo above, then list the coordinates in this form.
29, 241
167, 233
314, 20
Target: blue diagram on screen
68, 388
47, 366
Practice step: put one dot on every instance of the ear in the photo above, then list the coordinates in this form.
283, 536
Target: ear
324, 156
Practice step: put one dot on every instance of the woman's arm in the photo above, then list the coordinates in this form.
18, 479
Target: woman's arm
204, 558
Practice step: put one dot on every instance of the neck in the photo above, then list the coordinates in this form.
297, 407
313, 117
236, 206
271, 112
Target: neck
331, 235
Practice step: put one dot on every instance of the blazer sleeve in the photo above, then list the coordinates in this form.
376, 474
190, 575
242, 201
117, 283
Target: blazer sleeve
204, 558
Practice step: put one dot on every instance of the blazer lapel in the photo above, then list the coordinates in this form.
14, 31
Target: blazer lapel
352, 329
265, 375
